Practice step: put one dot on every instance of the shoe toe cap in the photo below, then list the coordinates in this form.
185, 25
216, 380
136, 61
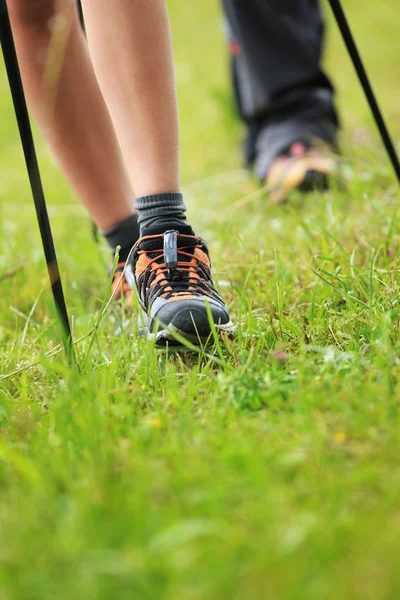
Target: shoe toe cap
190, 317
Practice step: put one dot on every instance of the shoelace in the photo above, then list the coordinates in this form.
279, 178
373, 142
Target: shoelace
182, 272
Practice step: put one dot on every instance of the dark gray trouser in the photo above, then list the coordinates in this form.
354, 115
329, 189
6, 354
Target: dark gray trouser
281, 91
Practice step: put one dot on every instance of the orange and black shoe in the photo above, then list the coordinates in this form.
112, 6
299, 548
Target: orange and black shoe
171, 273
120, 287
303, 167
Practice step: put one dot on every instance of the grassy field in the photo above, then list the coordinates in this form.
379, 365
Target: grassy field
263, 468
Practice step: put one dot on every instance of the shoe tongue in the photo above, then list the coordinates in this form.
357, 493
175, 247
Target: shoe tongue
160, 230
165, 248
296, 149
156, 243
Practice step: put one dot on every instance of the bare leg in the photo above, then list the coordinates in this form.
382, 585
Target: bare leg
65, 99
130, 45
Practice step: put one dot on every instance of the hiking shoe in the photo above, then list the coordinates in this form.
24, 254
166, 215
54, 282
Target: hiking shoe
304, 167
120, 287
171, 273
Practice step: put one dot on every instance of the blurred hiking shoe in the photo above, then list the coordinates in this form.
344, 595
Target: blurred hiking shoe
171, 273
120, 287
302, 166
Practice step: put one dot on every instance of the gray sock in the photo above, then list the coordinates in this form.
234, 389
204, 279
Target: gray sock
160, 212
124, 234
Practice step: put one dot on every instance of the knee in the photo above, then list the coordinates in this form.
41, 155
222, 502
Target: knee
32, 13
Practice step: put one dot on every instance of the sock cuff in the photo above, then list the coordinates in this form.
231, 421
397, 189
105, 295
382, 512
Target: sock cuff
157, 201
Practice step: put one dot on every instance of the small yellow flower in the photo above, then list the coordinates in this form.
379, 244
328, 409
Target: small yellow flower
155, 422
340, 437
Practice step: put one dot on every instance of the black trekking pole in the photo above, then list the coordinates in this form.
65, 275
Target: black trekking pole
21, 111
365, 83
81, 17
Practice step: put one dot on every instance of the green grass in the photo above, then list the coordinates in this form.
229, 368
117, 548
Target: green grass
266, 468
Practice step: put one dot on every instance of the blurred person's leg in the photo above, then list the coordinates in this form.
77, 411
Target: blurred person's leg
65, 99
283, 95
132, 53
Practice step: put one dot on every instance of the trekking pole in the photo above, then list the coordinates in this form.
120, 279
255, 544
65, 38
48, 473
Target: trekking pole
81, 17
365, 83
25, 130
